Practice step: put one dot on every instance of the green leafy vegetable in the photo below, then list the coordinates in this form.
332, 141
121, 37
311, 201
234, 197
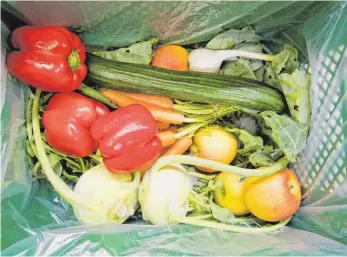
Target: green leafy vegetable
232, 37
137, 53
286, 60
240, 68
260, 158
222, 214
296, 89
250, 143
255, 64
270, 76
249, 46
289, 135
259, 74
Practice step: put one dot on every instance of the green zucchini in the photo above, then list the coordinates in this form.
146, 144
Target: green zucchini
190, 86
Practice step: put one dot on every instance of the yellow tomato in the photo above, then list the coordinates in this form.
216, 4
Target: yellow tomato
217, 144
229, 192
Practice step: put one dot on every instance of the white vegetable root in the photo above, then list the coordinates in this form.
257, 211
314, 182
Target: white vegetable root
207, 60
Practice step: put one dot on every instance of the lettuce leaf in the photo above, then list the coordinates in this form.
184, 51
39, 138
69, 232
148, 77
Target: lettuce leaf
140, 52
286, 60
289, 135
259, 74
270, 76
240, 68
230, 38
296, 89
249, 47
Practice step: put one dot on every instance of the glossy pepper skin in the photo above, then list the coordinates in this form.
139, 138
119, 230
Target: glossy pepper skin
127, 139
67, 121
50, 58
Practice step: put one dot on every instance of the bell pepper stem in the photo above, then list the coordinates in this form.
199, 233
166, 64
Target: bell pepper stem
74, 60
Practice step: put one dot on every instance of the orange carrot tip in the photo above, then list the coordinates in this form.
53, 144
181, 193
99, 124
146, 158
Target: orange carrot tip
179, 147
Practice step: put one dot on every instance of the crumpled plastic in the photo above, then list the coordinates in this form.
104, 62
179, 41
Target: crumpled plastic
37, 221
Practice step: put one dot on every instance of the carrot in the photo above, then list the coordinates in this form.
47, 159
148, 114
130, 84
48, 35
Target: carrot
167, 138
163, 125
159, 114
179, 147
173, 129
165, 115
118, 98
160, 101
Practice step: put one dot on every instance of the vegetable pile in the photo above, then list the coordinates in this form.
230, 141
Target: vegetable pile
198, 136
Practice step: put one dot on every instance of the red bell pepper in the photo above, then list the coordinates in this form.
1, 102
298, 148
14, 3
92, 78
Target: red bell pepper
51, 58
127, 139
67, 121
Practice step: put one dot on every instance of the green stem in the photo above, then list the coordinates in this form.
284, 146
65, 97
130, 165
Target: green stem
242, 164
197, 161
203, 176
201, 217
46, 146
96, 157
95, 94
195, 200
192, 120
30, 150
36, 170
82, 164
202, 113
72, 162
189, 129
232, 228
29, 126
137, 179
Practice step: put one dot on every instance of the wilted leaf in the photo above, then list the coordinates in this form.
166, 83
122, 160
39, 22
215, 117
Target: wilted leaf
137, 53
286, 60
250, 143
240, 68
289, 135
228, 39
296, 89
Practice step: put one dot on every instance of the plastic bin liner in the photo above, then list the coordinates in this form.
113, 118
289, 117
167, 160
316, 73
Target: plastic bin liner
36, 221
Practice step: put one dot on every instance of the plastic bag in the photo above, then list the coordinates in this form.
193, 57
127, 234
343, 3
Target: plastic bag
36, 221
